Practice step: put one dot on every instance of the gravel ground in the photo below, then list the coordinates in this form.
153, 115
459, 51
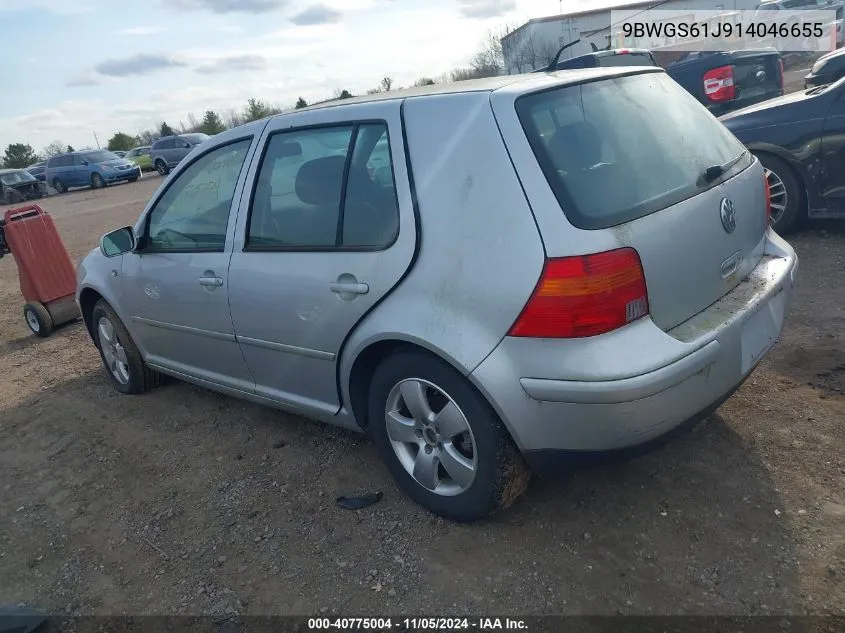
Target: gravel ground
184, 501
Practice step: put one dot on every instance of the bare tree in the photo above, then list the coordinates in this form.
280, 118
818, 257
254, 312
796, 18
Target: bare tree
232, 118
386, 84
424, 81
53, 149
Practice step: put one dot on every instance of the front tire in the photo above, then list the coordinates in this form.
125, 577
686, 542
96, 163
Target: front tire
97, 181
441, 440
123, 363
38, 319
786, 194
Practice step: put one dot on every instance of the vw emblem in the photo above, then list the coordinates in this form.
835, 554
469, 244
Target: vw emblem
728, 215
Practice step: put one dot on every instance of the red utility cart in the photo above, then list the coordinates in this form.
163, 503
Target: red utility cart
46, 273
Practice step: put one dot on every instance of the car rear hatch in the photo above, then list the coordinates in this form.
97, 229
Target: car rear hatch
632, 160
758, 75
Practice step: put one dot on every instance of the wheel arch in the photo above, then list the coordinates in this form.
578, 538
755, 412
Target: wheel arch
88, 298
786, 156
356, 386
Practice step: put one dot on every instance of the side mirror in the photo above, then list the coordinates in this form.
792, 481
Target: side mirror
118, 242
85, 163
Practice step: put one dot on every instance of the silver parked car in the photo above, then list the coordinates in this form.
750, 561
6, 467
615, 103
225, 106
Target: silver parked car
480, 275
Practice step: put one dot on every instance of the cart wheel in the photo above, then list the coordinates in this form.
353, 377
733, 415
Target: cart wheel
38, 319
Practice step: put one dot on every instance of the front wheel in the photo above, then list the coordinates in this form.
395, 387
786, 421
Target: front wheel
785, 193
123, 363
441, 440
97, 181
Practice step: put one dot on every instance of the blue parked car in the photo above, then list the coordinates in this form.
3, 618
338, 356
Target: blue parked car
95, 168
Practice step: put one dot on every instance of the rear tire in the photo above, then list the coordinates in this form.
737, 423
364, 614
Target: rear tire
121, 358
786, 191
97, 181
38, 319
474, 468
162, 168
59, 186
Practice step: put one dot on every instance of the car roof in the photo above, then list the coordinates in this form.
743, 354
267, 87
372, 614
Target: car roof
529, 82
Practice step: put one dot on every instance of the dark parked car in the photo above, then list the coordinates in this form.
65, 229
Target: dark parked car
18, 185
168, 151
800, 140
38, 169
721, 80
827, 69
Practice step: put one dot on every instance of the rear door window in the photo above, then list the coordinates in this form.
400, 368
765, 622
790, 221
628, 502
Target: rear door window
619, 149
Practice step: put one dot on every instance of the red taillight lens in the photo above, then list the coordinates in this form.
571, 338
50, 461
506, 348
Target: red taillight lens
768, 202
719, 84
585, 295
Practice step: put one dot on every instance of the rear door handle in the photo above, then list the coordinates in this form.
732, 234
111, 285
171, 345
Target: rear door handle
211, 282
349, 288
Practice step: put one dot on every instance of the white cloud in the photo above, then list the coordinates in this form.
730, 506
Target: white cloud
141, 31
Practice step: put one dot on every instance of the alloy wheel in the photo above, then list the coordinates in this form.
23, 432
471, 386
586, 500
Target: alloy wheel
113, 352
431, 437
777, 196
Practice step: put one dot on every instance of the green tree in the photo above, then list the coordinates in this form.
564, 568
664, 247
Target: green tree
70, 148
424, 81
19, 155
255, 110
211, 123
122, 142
344, 94
301, 103
165, 130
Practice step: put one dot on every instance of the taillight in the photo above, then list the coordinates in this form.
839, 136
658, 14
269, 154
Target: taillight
719, 84
768, 202
780, 73
585, 295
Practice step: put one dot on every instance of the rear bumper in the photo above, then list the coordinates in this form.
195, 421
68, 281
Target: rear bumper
639, 382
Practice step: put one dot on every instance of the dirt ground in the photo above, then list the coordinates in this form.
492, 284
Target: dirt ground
182, 501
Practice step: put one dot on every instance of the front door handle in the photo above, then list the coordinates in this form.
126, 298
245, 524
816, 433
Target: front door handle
211, 282
349, 288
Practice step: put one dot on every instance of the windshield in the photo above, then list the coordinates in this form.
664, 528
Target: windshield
195, 139
619, 149
99, 156
16, 178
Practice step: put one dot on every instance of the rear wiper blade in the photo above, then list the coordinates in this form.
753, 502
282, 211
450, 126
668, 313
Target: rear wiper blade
713, 172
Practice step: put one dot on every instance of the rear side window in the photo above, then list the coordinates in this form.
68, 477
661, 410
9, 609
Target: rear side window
325, 189
619, 149
61, 161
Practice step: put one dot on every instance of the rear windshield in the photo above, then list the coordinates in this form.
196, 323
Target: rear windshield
619, 149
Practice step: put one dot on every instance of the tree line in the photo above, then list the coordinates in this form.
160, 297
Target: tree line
487, 62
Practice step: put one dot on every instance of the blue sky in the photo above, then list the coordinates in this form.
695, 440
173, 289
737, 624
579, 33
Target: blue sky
85, 66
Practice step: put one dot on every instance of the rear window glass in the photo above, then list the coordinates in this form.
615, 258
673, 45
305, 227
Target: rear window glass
619, 149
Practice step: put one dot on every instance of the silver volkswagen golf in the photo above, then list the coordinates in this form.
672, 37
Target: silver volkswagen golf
485, 276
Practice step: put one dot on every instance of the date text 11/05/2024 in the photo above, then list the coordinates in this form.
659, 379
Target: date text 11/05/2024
416, 624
